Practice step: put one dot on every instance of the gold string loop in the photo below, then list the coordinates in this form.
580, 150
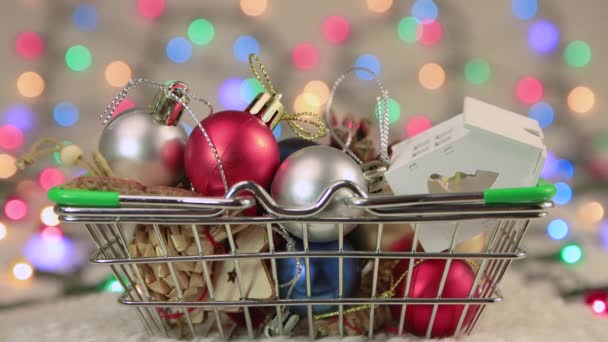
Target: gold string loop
294, 120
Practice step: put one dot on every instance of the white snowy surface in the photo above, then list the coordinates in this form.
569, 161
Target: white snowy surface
529, 313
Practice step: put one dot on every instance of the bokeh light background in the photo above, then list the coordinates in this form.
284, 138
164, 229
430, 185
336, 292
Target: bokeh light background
63, 62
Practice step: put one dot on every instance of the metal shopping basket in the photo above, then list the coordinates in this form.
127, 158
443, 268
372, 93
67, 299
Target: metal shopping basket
105, 215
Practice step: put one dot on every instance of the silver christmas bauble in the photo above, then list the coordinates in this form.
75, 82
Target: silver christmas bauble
139, 147
305, 175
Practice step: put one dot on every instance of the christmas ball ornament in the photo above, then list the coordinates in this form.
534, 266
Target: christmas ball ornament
305, 175
425, 281
290, 145
244, 144
324, 279
144, 144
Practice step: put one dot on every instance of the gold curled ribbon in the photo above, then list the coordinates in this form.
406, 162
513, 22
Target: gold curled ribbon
294, 120
98, 166
390, 293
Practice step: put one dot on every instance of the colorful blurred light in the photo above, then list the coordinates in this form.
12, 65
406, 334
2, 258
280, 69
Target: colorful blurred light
124, 105
543, 37
416, 125
529, 90
431, 33
51, 232
2, 231
550, 168
477, 71
254, 8
20, 116
577, 54
431, 76
277, 131
50, 177
305, 56
581, 100
48, 216
565, 169
85, 17
319, 89
30, 84
15, 209
249, 89
230, 94
244, 46
571, 253
8, 168
307, 102
598, 306
604, 233
379, 6
563, 194
29, 45
394, 110
524, 9
22, 271
543, 113
370, 62
118, 73
336, 29
408, 30
591, 212
49, 254
65, 114
557, 229
179, 50
78, 58
425, 10
201, 31
11, 137
114, 286
151, 8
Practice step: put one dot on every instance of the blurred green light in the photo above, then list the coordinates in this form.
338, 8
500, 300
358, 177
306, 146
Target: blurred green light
600, 143
394, 110
249, 89
571, 254
577, 54
477, 71
201, 32
78, 58
408, 29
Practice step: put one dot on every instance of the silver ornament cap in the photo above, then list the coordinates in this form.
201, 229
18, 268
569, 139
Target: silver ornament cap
305, 175
144, 144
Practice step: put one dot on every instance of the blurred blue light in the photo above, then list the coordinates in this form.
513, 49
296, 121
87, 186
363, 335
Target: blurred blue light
49, 254
557, 229
244, 46
179, 50
549, 167
543, 113
187, 128
230, 94
563, 194
565, 169
543, 37
85, 17
65, 114
604, 233
20, 116
425, 10
524, 9
370, 62
277, 132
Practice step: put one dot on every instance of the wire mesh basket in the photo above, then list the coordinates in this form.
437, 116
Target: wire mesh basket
107, 216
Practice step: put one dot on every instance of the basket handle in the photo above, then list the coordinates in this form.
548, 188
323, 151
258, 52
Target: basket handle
543, 191
84, 198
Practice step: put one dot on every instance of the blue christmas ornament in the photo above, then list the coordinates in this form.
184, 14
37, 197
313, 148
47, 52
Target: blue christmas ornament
323, 277
290, 145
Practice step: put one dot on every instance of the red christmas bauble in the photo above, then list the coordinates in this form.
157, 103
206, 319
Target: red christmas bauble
425, 281
246, 148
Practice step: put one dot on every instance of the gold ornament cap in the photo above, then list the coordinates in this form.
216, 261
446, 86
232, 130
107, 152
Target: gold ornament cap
268, 108
166, 109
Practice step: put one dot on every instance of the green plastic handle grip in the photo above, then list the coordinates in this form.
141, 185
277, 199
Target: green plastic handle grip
84, 198
544, 191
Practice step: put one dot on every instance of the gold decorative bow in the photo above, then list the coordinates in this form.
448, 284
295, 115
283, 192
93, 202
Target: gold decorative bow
294, 120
